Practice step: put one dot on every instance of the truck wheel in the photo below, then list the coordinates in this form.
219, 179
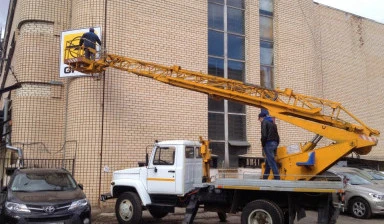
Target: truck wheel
157, 212
222, 216
262, 211
359, 208
128, 208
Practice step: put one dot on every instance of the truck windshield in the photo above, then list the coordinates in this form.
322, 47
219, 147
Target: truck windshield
43, 182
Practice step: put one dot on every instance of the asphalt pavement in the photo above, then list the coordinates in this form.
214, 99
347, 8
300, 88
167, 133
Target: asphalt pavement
108, 216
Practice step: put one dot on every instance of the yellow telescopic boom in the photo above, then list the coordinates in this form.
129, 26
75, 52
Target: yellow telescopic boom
320, 116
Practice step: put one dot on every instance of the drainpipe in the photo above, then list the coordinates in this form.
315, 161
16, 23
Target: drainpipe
19, 153
5, 120
7, 138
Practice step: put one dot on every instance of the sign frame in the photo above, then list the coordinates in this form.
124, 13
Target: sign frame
68, 35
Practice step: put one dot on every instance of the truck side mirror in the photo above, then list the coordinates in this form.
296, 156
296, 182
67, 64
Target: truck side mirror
146, 159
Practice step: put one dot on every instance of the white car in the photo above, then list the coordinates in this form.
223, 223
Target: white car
363, 198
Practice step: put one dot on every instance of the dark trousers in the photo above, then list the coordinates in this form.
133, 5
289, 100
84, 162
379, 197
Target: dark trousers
270, 163
88, 54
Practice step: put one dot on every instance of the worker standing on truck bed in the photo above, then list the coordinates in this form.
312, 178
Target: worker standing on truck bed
89, 40
269, 140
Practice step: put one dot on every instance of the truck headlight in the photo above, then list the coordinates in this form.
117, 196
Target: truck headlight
377, 196
16, 207
78, 204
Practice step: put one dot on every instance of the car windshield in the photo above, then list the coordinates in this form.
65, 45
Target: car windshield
376, 175
355, 179
43, 182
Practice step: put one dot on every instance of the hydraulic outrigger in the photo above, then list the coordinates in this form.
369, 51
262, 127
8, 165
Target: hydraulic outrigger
320, 116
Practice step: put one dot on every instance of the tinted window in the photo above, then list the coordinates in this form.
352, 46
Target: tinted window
216, 126
215, 43
216, 66
43, 182
235, 20
236, 70
236, 47
215, 105
236, 126
218, 148
266, 7
236, 3
266, 28
216, 16
266, 53
234, 107
266, 76
217, 1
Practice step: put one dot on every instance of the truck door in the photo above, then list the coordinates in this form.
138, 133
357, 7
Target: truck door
193, 168
162, 171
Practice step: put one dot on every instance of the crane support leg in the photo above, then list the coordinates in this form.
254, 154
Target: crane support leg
327, 213
191, 210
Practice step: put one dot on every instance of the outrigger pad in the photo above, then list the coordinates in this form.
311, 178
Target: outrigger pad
310, 162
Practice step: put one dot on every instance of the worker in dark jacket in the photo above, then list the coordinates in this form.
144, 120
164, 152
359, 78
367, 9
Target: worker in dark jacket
89, 40
269, 140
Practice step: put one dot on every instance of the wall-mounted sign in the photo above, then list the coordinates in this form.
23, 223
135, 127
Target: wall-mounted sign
73, 37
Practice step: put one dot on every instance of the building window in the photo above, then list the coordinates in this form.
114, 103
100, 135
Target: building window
266, 7
266, 43
226, 58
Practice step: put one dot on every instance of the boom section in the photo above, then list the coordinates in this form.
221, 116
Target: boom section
283, 104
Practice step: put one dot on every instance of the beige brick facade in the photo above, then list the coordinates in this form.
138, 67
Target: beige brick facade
109, 122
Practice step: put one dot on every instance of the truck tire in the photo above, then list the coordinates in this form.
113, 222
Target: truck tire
128, 208
222, 216
262, 211
157, 212
359, 208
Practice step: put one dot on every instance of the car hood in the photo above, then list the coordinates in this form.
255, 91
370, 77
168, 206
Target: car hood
46, 196
368, 188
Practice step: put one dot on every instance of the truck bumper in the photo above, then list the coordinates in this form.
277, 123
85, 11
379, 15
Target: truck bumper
106, 196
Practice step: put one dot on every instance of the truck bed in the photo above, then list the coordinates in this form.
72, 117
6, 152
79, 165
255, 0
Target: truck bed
249, 179
278, 185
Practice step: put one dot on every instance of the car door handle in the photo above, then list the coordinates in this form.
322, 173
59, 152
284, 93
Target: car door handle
171, 171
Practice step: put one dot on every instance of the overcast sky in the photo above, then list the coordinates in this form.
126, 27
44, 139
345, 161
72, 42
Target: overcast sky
3, 14
372, 9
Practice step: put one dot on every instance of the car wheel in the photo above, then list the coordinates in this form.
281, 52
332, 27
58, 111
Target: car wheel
359, 208
157, 212
128, 208
262, 211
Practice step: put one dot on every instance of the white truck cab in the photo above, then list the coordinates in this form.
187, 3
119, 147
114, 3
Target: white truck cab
171, 171
173, 168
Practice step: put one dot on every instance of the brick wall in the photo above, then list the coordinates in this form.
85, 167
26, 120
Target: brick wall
331, 54
252, 64
38, 107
